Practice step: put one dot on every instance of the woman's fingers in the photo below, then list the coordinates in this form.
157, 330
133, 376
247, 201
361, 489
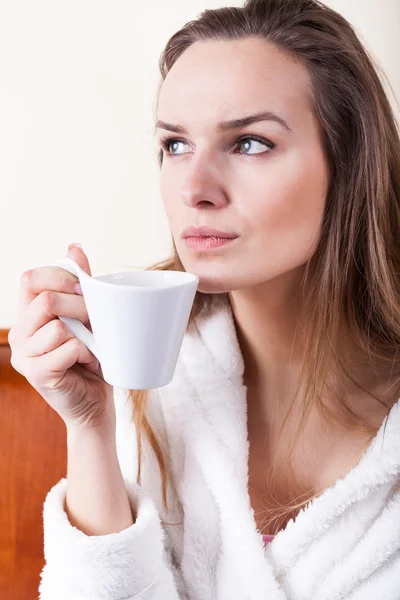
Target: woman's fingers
47, 338
78, 255
57, 279
48, 305
49, 369
37, 280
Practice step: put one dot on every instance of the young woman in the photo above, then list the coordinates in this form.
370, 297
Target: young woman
282, 421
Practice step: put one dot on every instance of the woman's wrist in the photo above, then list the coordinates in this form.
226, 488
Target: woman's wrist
97, 501
103, 424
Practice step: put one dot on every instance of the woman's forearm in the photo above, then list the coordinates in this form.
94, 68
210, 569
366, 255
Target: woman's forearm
96, 502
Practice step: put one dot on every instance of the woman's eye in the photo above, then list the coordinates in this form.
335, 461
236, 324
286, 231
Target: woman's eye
251, 142
171, 145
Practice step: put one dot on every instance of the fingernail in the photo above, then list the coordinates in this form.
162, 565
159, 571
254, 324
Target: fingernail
78, 289
75, 244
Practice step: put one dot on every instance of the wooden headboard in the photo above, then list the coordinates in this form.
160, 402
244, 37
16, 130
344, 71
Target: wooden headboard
33, 458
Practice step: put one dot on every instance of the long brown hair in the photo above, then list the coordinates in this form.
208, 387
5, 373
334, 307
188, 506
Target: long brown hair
352, 278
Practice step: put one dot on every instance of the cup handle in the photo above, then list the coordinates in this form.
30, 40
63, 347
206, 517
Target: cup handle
75, 325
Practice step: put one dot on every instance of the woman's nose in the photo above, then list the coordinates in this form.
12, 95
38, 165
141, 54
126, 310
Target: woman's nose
203, 183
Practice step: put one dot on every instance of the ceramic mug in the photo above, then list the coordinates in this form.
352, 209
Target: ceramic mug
138, 321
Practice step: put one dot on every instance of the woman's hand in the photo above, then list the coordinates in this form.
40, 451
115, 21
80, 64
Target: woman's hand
58, 365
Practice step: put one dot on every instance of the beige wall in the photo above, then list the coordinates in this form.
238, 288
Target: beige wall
77, 99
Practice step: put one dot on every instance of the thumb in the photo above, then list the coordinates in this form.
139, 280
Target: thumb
78, 255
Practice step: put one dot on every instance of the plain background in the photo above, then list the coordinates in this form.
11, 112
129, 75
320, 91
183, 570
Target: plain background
78, 158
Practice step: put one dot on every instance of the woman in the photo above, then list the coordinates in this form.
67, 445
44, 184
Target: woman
282, 419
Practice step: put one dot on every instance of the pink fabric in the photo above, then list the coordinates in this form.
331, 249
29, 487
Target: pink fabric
267, 538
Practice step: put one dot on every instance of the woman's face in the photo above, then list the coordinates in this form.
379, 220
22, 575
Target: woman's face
270, 190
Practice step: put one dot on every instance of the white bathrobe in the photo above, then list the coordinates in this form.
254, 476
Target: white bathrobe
345, 545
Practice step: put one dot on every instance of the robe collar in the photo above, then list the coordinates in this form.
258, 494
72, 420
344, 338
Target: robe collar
211, 401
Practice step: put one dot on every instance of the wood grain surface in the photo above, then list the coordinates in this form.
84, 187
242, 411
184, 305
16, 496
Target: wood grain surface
33, 458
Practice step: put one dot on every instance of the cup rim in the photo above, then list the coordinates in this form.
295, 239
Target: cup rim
187, 278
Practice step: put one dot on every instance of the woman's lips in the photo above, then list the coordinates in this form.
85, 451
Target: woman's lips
204, 231
207, 243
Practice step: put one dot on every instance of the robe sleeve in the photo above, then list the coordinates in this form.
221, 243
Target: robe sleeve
132, 563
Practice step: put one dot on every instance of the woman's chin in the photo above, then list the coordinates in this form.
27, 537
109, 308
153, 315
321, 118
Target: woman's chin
211, 286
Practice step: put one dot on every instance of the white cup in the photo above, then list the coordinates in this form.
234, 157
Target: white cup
138, 321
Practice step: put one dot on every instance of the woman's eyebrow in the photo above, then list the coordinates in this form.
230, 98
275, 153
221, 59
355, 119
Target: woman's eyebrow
233, 124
